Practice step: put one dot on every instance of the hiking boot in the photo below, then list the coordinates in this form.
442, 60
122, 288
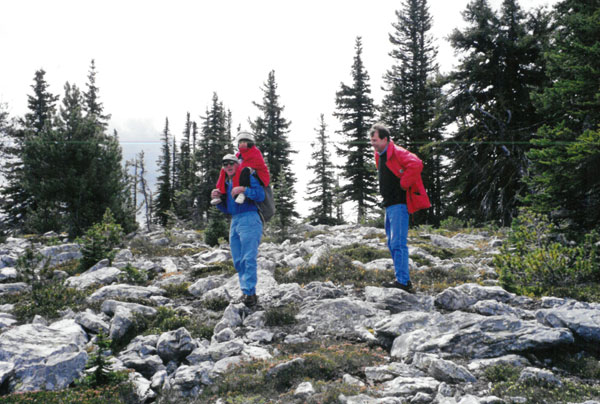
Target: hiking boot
215, 201
250, 300
240, 198
407, 288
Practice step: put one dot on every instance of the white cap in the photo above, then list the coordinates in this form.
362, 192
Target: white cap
230, 157
243, 135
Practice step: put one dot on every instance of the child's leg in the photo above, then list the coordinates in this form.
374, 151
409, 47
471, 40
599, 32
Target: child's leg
245, 177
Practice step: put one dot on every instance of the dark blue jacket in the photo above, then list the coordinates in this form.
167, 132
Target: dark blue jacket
254, 193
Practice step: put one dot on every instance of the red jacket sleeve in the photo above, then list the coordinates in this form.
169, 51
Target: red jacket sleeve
411, 165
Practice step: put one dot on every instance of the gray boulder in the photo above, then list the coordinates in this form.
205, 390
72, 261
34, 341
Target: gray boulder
44, 357
464, 296
110, 306
7, 370
585, 323
8, 274
92, 322
339, 316
397, 300
477, 336
124, 292
175, 345
443, 370
102, 276
6, 320
14, 288
121, 323
201, 286
189, 381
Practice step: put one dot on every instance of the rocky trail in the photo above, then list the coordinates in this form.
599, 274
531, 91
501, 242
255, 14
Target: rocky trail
434, 346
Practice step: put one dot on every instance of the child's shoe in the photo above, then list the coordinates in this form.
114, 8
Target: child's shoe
240, 198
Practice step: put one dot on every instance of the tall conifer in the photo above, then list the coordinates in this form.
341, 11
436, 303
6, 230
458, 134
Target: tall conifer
163, 202
320, 188
355, 110
566, 150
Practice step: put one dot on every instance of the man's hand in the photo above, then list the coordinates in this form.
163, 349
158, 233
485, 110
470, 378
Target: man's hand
237, 190
215, 194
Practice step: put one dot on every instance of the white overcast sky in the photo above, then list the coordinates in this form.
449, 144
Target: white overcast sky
158, 59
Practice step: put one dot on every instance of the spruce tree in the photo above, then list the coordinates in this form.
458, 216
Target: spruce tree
93, 107
566, 150
163, 202
409, 106
37, 130
271, 130
320, 189
283, 194
355, 110
492, 107
214, 143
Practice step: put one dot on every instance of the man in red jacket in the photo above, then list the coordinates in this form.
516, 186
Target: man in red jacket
402, 190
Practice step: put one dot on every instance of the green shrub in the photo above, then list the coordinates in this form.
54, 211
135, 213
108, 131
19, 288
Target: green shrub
165, 320
216, 303
362, 253
217, 268
328, 362
47, 300
217, 228
284, 315
175, 290
535, 262
336, 267
121, 394
133, 276
100, 240
101, 376
452, 223
47, 297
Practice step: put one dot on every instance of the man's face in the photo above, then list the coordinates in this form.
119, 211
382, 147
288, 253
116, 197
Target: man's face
377, 143
230, 168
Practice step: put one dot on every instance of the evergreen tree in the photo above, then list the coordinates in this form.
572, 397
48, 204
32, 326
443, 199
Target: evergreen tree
21, 205
492, 107
283, 194
93, 107
338, 201
271, 130
320, 189
566, 152
185, 157
144, 189
69, 168
355, 111
163, 202
408, 107
214, 143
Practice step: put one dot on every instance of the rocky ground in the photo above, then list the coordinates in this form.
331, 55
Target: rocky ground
314, 337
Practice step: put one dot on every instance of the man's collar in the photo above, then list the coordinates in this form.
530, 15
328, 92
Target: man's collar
384, 150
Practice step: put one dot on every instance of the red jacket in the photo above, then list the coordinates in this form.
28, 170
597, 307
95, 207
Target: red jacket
407, 166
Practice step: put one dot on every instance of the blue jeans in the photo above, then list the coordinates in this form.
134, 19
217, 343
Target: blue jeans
244, 237
396, 229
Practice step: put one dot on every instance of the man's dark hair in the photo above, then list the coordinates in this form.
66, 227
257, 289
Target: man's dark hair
381, 129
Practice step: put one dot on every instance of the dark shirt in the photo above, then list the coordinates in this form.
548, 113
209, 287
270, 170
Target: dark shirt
389, 184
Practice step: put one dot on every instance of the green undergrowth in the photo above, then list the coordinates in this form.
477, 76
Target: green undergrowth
506, 384
121, 394
283, 315
435, 280
218, 268
334, 267
165, 320
323, 365
537, 261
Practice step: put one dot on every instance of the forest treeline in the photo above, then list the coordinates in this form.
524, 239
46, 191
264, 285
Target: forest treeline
515, 124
